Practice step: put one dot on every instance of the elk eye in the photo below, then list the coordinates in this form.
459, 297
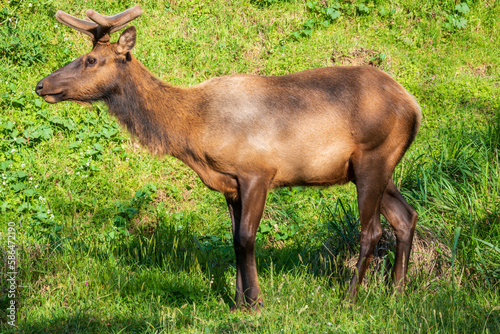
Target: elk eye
91, 61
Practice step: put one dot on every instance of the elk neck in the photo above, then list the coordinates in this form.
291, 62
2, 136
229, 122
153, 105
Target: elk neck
164, 118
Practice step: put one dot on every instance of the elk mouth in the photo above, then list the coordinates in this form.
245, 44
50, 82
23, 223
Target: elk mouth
48, 93
53, 98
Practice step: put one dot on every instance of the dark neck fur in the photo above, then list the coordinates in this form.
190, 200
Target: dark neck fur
153, 111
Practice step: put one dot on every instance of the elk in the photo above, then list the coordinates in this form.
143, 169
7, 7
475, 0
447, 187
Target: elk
245, 134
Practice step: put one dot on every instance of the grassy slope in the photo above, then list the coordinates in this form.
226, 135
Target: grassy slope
134, 243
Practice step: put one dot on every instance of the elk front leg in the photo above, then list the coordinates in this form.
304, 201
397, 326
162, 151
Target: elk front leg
246, 212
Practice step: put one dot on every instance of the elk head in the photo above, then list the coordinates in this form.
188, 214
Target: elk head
91, 77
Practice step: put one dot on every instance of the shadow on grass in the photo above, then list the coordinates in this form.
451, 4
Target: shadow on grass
87, 322
182, 250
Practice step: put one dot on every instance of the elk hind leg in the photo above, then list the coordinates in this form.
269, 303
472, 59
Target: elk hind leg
371, 180
403, 219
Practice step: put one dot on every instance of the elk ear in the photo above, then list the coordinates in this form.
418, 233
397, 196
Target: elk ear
126, 41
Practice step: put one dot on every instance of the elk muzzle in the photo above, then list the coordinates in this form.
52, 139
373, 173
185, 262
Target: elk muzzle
51, 95
55, 87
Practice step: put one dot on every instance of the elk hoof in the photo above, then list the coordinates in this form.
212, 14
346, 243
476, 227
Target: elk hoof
253, 308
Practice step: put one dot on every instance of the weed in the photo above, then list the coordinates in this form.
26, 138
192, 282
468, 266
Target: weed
456, 19
323, 17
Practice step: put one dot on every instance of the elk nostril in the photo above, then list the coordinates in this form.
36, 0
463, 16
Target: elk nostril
39, 87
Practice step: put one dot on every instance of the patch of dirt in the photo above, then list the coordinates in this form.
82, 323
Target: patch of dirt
360, 57
483, 70
428, 256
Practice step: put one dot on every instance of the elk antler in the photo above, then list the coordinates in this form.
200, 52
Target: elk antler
101, 30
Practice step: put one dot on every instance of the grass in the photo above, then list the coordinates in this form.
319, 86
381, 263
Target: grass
110, 239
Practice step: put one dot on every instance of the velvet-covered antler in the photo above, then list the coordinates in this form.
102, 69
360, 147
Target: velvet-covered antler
103, 27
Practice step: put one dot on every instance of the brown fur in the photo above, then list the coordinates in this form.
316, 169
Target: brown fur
244, 135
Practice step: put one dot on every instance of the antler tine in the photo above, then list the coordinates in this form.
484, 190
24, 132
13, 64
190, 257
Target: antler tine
115, 22
103, 26
87, 27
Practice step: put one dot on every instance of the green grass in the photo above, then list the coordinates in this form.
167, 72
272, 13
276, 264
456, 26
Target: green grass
110, 239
